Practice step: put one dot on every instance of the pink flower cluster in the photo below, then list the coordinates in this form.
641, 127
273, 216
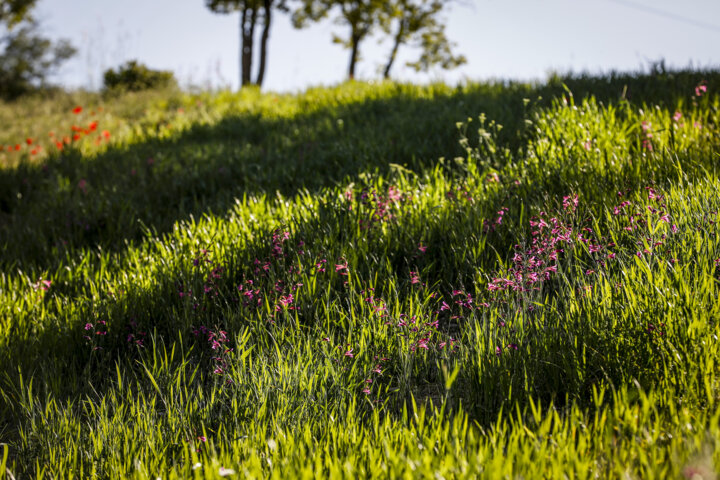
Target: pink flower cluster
647, 136
136, 336
94, 331
375, 372
375, 207
536, 264
216, 340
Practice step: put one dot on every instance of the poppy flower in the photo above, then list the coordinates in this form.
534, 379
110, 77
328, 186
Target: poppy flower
77, 110
29, 141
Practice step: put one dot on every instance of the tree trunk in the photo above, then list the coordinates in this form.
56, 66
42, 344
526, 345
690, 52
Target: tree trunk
393, 53
354, 44
247, 29
243, 67
267, 7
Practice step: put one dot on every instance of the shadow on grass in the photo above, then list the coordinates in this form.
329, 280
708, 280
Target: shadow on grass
205, 168
49, 212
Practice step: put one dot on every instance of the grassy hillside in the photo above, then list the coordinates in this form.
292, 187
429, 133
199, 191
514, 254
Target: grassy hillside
370, 280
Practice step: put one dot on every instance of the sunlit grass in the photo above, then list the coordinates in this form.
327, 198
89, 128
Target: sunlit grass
345, 283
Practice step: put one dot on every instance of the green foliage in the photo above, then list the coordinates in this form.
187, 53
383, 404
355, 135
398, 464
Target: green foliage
313, 285
418, 21
13, 12
415, 22
134, 77
27, 59
363, 17
436, 50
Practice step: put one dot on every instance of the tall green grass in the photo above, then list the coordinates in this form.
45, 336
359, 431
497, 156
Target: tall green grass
496, 280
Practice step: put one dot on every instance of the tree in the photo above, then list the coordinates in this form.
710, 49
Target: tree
250, 12
26, 58
418, 21
13, 12
362, 16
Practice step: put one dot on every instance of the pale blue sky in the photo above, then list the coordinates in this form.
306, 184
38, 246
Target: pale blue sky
518, 39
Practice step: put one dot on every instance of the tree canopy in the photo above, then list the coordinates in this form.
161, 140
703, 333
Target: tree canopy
26, 57
416, 22
13, 12
361, 16
419, 22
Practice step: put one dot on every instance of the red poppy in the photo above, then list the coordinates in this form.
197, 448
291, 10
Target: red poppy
77, 110
92, 126
106, 134
29, 141
59, 145
34, 151
75, 128
17, 147
76, 136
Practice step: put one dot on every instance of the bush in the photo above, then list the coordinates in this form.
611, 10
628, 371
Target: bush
134, 76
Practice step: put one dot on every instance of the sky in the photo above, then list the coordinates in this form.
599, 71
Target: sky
501, 39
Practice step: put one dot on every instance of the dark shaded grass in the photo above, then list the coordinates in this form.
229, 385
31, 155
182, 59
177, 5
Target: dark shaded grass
203, 169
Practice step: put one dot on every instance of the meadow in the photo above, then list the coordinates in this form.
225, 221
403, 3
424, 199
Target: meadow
373, 280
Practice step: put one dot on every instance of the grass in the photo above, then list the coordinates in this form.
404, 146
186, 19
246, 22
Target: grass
371, 280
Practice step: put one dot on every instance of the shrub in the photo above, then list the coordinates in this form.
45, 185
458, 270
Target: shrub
134, 76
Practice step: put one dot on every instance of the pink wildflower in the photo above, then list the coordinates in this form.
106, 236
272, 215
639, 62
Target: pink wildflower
570, 202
